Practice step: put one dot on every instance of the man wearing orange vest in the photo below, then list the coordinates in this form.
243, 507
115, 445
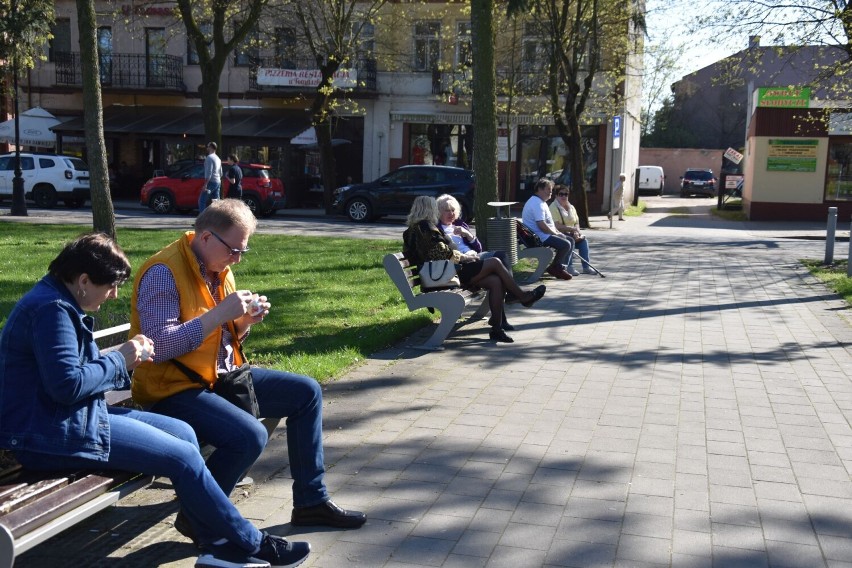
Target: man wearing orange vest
186, 300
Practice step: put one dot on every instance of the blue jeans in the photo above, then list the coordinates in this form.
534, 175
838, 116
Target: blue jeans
563, 246
583, 250
158, 445
208, 194
239, 438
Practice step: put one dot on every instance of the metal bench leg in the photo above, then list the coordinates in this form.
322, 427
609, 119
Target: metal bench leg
7, 548
483, 309
451, 306
544, 256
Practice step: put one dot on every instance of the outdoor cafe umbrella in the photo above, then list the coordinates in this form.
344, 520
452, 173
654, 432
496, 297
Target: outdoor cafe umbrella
34, 129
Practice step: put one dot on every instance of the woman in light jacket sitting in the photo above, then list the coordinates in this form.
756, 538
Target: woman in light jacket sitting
424, 241
568, 223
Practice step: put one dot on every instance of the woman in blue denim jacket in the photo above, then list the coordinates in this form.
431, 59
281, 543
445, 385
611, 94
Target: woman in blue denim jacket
53, 413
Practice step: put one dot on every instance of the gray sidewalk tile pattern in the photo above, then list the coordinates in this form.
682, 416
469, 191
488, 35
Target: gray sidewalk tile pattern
692, 409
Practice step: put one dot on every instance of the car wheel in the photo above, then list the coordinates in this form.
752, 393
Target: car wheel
253, 204
44, 196
359, 210
161, 203
661, 190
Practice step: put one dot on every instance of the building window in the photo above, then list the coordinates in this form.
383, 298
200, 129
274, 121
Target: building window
191, 52
464, 53
285, 48
105, 54
534, 50
60, 44
155, 56
367, 41
247, 53
427, 46
838, 177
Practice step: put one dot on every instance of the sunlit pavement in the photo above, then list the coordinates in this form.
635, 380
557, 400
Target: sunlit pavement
690, 409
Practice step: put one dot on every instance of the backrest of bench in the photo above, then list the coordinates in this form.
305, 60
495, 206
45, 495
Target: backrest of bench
402, 274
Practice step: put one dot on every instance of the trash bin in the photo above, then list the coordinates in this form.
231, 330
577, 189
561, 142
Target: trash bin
501, 231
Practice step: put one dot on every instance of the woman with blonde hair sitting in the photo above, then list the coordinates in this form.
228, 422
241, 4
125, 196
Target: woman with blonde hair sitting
568, 223
424, 241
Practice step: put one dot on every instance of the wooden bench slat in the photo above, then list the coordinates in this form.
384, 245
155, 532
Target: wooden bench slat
63, 500
29, 492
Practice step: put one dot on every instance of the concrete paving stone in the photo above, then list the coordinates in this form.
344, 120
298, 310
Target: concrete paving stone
769, 459
486, 470
792, 530
524, 535
698, 500
577, 554
730, 436
739, 558
464, 561
344, 553
835, 547
737, 536
537, 514
813, 444
500, 499
728, 462
644, 549
777, 491
512, 557
690, 561
451, 505
791, 555
390, 508
730, 514
652, 486
736, 478
439, 526
546, 494
476, 543
773, 474
512, 482
826, 487
378, 532
490, 520
423, 551
692, 543
657, 526
413, 490
598, 509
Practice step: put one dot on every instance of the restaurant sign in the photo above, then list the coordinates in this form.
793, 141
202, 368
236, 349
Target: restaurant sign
342, 79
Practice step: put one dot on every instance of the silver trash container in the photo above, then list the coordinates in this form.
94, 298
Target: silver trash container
502, 236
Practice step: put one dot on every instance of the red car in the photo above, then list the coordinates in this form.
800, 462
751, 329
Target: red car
179, 191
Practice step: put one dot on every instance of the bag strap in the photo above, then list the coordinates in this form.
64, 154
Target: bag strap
432, 263
195, 377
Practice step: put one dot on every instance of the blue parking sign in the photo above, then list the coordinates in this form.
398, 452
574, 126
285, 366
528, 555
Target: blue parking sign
616, 132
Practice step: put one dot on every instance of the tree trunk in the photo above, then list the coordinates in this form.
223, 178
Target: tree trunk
103, 215
574, 142
211, 107
484, 113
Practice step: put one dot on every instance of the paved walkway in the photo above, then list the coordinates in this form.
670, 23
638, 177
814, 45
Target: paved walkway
691, 409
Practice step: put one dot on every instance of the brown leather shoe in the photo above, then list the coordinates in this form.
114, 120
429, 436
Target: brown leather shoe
327, 514
559, 272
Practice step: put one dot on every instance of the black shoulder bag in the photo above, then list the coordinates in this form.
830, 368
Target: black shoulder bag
234, 386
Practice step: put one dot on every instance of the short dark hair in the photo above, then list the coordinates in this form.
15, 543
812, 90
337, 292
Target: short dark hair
95, 254
212, 145
560, 187
542, 183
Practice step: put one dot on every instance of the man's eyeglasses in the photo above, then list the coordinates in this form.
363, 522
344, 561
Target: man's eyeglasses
563, 194
234, 252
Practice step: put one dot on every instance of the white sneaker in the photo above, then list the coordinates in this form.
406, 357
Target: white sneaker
572, 271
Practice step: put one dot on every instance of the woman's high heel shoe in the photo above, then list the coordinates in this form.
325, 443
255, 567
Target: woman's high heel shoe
534, 296
498, 335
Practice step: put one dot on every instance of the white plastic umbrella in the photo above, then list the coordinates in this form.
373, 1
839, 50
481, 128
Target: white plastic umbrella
34, 129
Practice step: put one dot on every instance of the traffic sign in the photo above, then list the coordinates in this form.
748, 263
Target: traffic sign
616, 132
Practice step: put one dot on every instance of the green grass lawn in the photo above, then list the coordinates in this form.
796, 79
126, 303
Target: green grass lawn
834, 277
332, 301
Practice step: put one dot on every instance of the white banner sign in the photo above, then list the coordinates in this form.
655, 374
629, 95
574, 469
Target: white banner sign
343, 78
733, 155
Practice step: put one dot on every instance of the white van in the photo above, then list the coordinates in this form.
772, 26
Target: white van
651, 179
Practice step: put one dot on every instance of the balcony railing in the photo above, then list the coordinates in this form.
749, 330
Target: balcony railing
365, 67
459, 82
125, 70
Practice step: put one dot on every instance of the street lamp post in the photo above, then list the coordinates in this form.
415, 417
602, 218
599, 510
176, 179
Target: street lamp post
19, 205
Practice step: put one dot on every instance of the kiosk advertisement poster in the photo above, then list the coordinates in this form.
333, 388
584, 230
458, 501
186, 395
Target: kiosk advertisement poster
792, 155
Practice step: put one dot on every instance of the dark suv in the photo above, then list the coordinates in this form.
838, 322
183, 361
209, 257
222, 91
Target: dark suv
180, 190
698, 182
394, 192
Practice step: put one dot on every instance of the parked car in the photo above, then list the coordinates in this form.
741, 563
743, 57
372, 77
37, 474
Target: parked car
47, 179
394, 192
652, 179
698, 181
180, 190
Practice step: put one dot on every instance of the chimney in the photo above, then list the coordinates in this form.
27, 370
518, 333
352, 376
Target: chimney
753, 41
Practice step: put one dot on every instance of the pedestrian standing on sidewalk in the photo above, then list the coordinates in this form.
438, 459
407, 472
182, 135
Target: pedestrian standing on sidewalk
235, 178
618, 198
212, 178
